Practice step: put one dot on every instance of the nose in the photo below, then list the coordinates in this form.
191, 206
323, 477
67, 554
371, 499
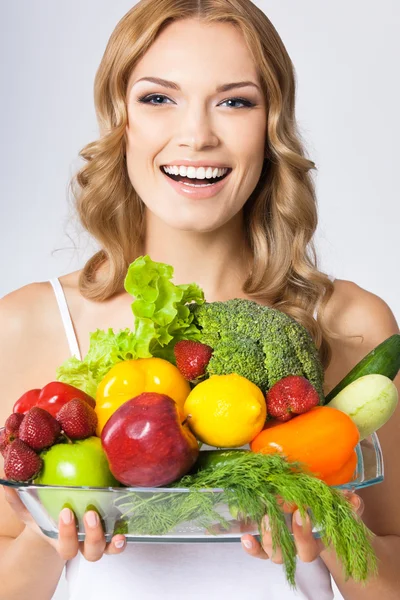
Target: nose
196, 128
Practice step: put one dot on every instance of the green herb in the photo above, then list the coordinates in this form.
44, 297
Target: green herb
250, 486
160, 513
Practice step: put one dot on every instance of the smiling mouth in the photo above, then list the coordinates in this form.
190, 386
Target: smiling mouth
195, 180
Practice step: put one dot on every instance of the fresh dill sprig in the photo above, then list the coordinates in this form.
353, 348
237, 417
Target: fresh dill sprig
158, 514
251, 485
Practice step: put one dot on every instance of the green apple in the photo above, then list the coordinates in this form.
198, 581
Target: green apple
79, 463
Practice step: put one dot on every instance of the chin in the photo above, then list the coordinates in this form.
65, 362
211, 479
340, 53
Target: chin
196, 224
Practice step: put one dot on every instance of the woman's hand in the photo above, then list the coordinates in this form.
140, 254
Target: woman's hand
308, 547
67, 544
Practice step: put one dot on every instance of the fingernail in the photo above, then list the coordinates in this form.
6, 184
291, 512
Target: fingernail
66, 516
247, 544
119, 543
92, 519
266, 523
297, 518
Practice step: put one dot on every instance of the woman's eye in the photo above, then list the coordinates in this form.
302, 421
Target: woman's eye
148, 100
246, 103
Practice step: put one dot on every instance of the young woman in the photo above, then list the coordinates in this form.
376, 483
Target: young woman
204, 84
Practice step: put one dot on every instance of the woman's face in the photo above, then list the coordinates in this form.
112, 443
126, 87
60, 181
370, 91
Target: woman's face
193, 121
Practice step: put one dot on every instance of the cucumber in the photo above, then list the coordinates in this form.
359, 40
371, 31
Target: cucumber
382, 360
369, 401
215, 458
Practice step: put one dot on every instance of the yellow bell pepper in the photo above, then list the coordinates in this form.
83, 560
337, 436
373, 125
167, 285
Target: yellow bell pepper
130, 378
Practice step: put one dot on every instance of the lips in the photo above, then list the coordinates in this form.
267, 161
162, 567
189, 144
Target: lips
197, 189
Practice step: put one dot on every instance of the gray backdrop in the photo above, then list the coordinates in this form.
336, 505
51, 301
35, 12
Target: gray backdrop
346, 56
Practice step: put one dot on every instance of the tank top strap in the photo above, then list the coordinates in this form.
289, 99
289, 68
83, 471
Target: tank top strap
66, 318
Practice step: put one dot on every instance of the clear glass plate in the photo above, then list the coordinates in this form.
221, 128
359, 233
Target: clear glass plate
120, 508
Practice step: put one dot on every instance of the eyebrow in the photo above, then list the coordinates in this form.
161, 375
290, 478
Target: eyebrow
221, 88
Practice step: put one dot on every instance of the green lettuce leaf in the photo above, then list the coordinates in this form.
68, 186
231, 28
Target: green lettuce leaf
159, 307
77, 373
161, 319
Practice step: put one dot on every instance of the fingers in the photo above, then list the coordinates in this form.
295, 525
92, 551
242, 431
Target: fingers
266, 542
287, 507
357, 503
68, 544
95, 542
263, 550
94, 545
308, 547
116, 546
251, 546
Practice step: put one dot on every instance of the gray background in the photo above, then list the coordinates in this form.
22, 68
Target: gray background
346, 56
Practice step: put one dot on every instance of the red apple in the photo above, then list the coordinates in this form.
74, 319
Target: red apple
146, 444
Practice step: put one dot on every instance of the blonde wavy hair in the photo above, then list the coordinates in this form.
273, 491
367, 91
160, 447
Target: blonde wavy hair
281, 213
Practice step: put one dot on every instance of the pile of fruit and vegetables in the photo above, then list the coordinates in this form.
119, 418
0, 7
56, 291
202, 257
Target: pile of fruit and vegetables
242, 378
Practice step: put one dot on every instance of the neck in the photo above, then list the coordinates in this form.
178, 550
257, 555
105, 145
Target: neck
218, 261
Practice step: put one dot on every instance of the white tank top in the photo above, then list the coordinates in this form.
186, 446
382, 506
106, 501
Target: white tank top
186, 571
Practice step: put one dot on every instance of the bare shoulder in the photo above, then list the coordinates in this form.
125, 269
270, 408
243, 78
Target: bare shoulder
361, 320
23, 311
355, 311
30, 295
32, 304
32, 343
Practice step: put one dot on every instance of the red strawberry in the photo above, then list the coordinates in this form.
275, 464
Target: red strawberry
21, 462
10, 431
39, 429
78, 420
4, 443
192, 358
13, 423
290, 396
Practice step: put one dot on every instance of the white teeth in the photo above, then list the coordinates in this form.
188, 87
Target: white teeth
193, 173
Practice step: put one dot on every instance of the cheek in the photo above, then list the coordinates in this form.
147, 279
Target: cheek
134, 142
144, 129
139, 158
248, 180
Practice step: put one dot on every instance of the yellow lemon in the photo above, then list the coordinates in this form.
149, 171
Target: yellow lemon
226, 411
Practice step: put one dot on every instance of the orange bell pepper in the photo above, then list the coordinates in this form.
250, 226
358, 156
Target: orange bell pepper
323, 439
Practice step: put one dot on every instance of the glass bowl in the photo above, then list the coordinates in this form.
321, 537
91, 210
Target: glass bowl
121, 508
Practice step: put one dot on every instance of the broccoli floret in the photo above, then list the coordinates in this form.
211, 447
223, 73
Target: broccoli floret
245, 358
260, 343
